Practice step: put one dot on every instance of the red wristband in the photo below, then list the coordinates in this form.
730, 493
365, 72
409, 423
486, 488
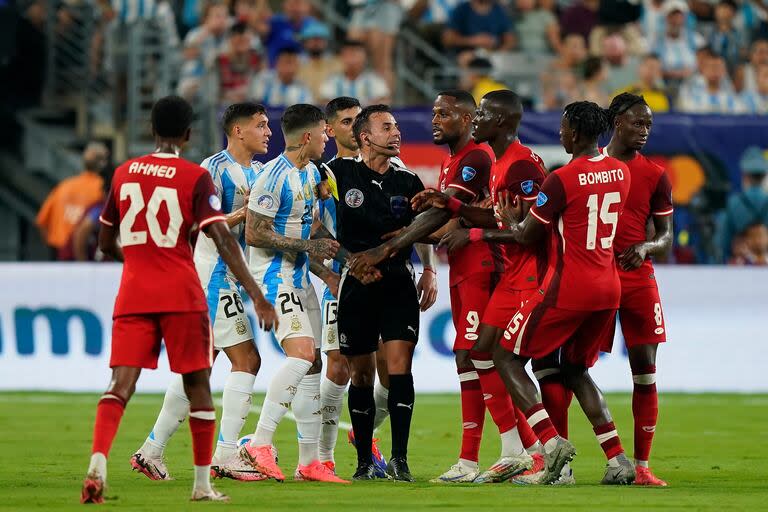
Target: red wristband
427, 269
476, 235
453, 205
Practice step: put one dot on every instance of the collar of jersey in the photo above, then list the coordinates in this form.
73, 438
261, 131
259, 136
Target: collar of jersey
165, 155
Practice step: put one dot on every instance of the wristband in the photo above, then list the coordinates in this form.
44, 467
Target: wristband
453, 205
476, 235
427, 269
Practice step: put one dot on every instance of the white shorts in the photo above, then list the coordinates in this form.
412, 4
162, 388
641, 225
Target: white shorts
298, 314
330, 339
230, 323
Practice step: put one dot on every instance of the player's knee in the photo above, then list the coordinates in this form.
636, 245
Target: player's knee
641, 357
338, 370
248, 363
362, 378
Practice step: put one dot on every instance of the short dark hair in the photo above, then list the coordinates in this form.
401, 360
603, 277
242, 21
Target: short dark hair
592, 67
461, 96
481, 65
238, 28
171, 117
351, 43
729, 3
341, 103
507, 99
299, 117
289, 49
623, 102
237, 111
587, 118
363, 120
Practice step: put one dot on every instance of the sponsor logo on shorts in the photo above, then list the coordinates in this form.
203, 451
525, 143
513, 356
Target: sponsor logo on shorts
659, 330
354, 198
295, 324
468, 173
541, 199
527, 186
240, 327
215, 202
266, 202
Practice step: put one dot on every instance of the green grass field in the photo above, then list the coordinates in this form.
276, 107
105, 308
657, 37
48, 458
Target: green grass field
710, 448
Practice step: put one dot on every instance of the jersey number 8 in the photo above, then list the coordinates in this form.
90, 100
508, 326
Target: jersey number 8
160, 195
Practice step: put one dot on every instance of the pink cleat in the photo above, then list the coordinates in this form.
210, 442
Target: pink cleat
152, 467
93, 490
646, 477
262, 459
317, 472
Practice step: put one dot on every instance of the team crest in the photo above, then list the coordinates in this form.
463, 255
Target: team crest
468, 173
331, 337
541, 199
240, 327
295, 324
527, 186
354, 198
215, 202
266, 202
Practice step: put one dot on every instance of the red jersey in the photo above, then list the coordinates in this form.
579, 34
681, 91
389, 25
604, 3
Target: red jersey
650, 194
584, 201
159, 201
469, 171
521, 172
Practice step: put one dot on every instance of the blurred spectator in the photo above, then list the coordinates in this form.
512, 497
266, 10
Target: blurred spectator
238, 65
317, 63
592, 86
283, 29
201, 46
27, 64
354, 80
714, 97
479, 24
677, 46
477, 78
83, 244
649, 85
756, 102
652, 20
580, 18
558, 81
618, 17
537, 27
750, 206
758, 56
66, 203
376, 23
750, 247
430, 17
622, 68
726, 41
280, 87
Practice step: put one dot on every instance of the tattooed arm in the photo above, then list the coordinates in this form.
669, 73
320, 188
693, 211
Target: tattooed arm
260, 232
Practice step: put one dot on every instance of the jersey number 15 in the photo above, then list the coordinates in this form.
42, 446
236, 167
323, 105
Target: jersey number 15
160, 195
606, 217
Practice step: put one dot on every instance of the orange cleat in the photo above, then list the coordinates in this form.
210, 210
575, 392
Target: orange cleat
646, 477
262, 459
93, 490
533, 475
318, 472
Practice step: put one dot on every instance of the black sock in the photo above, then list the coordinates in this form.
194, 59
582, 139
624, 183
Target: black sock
400, 403
362, 409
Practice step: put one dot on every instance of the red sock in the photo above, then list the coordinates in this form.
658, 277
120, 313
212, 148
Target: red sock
527, 436
556, 399
202, 423
472, 414
645, 409
608, 439
109, 411
497, 399
539, 421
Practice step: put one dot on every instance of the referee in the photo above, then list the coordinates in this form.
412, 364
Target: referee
374, 198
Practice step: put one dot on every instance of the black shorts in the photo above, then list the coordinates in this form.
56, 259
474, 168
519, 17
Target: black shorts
387, 309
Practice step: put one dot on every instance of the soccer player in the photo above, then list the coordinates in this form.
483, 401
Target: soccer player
278, 227
386, 310
233, 173
153, 201
476, 269
642, 320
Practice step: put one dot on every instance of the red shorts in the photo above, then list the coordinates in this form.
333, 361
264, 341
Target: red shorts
641, 317
469, 299
538, 330
188, 341
504, 303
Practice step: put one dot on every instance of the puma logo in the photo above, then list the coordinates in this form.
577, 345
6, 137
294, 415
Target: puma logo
378, 183
412, 329
358, 411
407, 406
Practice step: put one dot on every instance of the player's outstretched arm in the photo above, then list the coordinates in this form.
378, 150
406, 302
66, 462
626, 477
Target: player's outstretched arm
632, 257
260, 232
482, 217
108, 242
232, 254
426, 288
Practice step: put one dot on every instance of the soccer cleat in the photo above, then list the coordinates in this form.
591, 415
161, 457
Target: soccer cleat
623, 474
398, 470
262, 459
211, 495
566, 476
504, 469
330, 465
555, 460
458, 473
644, 476
152, 467
93, 489
379, 462
317, 472
533, 475
364, 472
237, 469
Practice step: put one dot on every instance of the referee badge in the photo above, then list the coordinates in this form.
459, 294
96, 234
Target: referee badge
398, 205
354, 198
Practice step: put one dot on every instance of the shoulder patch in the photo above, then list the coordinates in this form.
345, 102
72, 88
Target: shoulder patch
468, 173
541, 199
215, 202
266, 202
527, 186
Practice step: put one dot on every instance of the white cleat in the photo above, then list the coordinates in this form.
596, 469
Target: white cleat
209, 495
505, 468
152, 466
459, 473
237, 469
566, 476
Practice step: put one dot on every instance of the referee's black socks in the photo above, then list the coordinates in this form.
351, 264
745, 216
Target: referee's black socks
362, 410
400, 402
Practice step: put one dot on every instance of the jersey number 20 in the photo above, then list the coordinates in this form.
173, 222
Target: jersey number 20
160, 195
606, 217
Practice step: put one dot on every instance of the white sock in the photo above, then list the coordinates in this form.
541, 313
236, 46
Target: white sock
380, 396
469, 464
614, 462
331, 403
175, 409
236, 403
535, 448
280, 394
550, 445
306, 409
203, 478
511, 445
98, 465
641, 463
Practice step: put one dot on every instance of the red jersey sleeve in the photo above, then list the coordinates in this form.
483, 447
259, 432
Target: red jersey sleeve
661, 200
110, 215
472, 174
206, 205
550, 200
525, 179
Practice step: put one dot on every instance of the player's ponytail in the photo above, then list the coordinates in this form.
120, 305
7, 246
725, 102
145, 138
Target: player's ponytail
587, 118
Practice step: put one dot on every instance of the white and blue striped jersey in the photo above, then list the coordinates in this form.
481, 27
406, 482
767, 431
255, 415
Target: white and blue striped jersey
233, 181
287, 195
267, 88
